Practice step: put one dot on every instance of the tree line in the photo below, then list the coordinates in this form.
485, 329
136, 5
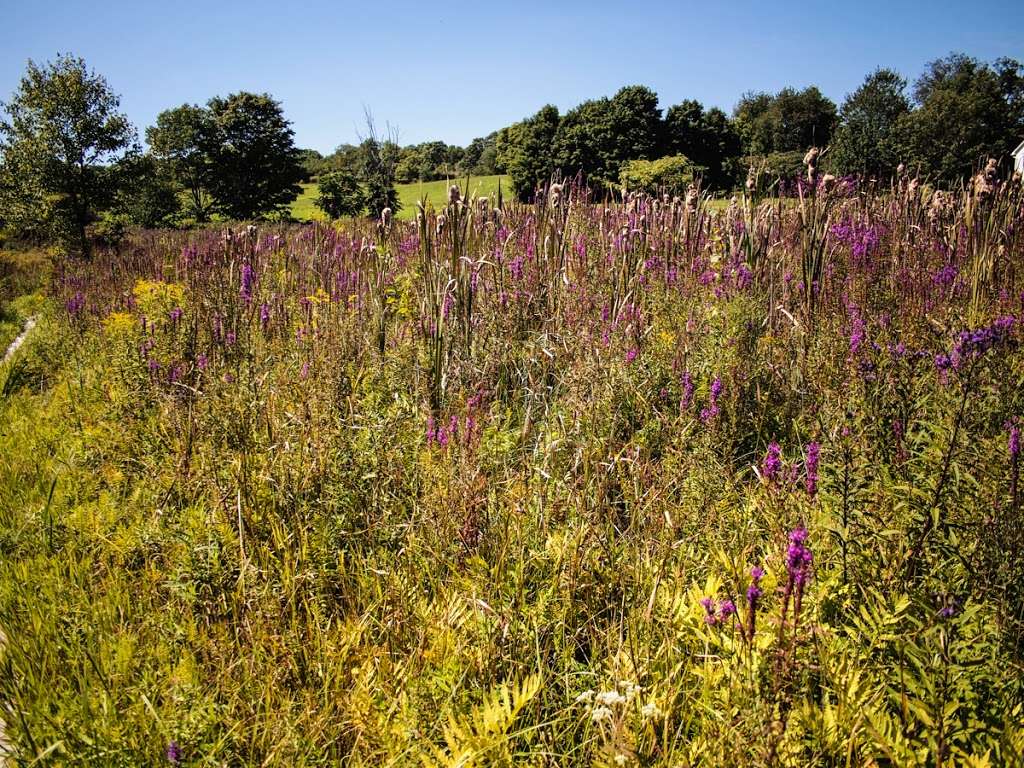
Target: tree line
958, 112
72, 166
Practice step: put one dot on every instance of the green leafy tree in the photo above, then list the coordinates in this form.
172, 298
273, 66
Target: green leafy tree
967, 111
524, 151
181, 141
61, 149
870, 139
380, 157
600, 135
635, 124
340, 194
789, 121
254, 168
409, 163
313, 164
149, 196
708, 138
480, 157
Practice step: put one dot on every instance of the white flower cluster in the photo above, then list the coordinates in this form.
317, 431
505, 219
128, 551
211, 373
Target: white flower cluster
603, 704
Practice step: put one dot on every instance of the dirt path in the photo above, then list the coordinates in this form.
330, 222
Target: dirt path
13, 347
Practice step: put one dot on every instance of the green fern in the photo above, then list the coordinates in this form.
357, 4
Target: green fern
483, 737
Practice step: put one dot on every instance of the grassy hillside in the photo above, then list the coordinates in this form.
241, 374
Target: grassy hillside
304, 208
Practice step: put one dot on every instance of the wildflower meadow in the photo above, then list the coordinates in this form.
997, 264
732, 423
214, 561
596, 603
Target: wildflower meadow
625, 482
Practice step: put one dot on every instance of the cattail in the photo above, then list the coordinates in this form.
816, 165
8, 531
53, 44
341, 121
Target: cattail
453, 194
811, 161
691, 198
385, 218
555, 194
751, 184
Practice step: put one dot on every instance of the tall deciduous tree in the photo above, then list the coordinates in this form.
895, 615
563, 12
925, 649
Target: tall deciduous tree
380, 157
180, 141
789, 121
254, 168
707, 138
967, 111
524, 150
60, 149
870, 138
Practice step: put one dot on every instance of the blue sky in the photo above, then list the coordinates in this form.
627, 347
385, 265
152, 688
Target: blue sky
451, 70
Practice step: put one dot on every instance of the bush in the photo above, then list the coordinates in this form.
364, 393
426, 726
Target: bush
669, 174
340, 195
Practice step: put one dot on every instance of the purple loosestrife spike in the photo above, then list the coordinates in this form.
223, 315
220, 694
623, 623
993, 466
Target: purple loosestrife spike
798, 557
709, 611
771, 465
710, 413
726, 608
813, 451
1014, 442
173, 753
248, 278
687, 399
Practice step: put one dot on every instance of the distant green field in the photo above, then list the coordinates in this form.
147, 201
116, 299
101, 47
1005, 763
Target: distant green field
304, 208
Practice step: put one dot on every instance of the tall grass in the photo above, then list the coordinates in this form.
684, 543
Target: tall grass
645, 483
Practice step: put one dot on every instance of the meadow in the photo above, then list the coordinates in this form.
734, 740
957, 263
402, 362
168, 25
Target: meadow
646, 482
436, 192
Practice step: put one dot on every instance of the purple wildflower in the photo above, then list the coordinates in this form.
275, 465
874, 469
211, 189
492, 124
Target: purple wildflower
709, 611
726, 608
771, 465
248, 278
813, 450
710, 413
1014, 442
687, 398
173, 753
798, 557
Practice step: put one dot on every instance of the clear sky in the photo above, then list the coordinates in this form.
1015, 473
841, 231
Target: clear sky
451, 70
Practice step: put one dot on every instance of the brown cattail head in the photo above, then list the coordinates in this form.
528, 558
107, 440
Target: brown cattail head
751, 180
691, 198
453, 194
555, 194
385, 217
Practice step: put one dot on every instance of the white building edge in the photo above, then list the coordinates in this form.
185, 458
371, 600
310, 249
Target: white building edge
1018, 158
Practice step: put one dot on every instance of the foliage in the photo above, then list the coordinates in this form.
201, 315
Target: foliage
524, 151
379, 165
181, 142
340, 195
966, 112
253, 165
789, 121
60, 150
640, 483
869, 140
149, 195
669, 175
706, 137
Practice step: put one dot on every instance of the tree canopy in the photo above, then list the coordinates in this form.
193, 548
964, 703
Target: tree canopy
254, 168
61, 150
870, 140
